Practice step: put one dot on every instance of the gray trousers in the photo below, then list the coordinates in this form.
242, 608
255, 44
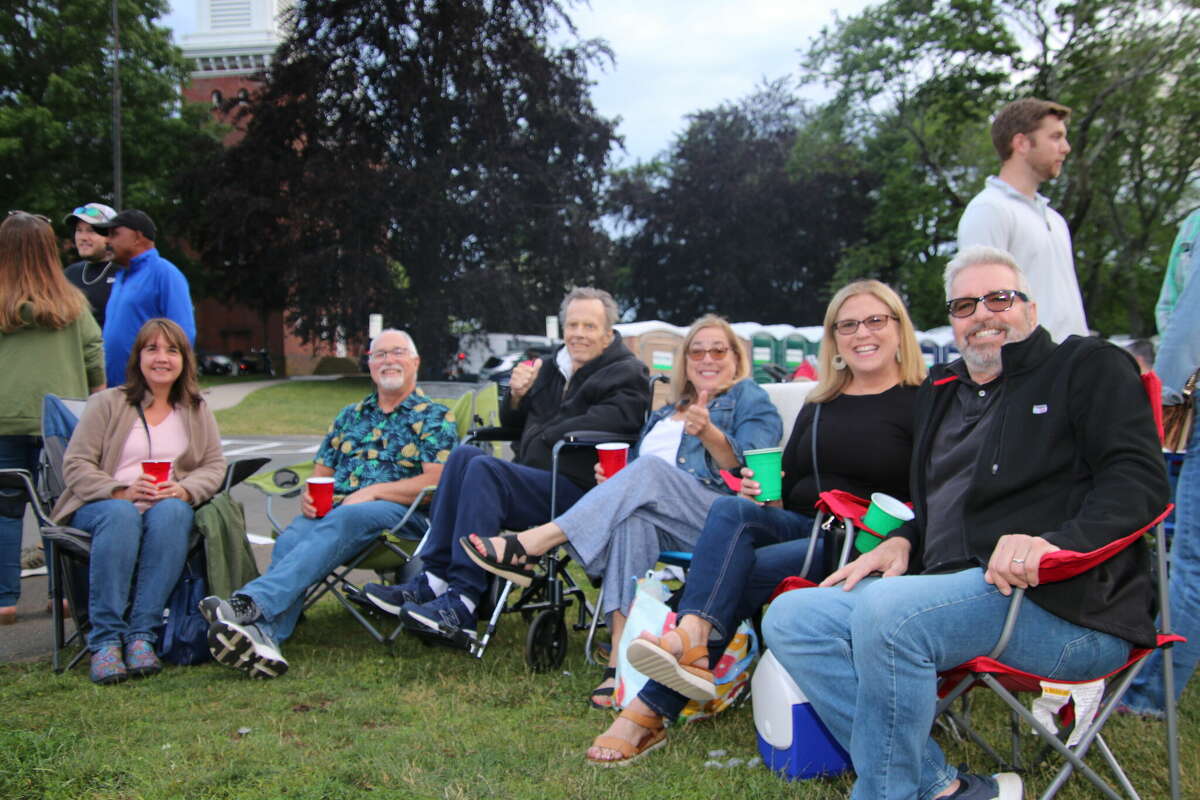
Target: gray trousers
617, 529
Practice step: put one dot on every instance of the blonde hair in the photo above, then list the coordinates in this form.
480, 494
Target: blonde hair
31, 273
683, 393
832, 382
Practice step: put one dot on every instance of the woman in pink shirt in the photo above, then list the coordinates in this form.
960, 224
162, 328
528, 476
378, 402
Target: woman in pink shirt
139, 526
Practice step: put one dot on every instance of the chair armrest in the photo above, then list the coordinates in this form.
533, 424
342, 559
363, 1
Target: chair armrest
241, 469
584, 438
492, 434
73, 540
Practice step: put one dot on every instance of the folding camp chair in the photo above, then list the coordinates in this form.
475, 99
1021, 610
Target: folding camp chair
389, 555
1078, 735
68, 549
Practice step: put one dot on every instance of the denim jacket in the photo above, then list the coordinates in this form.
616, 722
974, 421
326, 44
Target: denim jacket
748, 419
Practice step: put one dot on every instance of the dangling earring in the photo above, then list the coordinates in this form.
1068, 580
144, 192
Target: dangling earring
839, 363
898, 361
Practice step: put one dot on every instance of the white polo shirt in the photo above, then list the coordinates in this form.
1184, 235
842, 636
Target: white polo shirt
1038, 238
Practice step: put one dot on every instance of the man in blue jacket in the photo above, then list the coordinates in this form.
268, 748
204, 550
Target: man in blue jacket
146, 286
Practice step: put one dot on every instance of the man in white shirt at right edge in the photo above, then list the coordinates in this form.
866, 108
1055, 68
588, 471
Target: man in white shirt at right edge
1030, 136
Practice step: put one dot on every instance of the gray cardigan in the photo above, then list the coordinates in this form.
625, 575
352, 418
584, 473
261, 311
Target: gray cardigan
99, 439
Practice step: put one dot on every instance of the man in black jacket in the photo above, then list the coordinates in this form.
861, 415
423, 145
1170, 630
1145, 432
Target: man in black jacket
594, 383
1021, 448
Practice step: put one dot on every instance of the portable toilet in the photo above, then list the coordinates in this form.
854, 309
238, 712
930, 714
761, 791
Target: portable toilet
791, 738
762, 355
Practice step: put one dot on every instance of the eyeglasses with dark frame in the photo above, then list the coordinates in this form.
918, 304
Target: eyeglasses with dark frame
1001, 300
43, 218
716, 352
875, 322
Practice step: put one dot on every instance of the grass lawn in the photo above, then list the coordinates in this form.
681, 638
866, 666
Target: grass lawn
292, 407
350, 719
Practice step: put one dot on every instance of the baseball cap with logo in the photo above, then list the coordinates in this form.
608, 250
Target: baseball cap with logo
94, 214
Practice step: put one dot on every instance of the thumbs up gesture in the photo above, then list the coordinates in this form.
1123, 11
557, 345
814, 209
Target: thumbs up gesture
696, 419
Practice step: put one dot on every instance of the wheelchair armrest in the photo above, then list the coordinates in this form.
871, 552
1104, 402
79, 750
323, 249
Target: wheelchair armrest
493, 434
584, 438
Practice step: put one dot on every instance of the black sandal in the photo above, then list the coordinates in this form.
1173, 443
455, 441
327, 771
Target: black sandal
604, 691
508, 567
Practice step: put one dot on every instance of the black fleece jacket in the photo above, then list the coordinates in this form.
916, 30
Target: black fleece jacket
1073, 457
610, 393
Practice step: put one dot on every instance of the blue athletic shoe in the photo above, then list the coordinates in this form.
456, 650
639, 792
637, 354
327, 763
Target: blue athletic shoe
1001, 786
446, 615
391, 599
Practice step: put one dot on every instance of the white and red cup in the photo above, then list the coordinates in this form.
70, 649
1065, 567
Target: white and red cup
613, 457
158, 470
320, 494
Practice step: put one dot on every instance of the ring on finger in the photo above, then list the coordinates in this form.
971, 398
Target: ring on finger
1018, 561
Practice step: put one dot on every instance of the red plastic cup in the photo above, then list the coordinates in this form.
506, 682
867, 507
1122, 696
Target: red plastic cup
613, 457
158, 470
320, 492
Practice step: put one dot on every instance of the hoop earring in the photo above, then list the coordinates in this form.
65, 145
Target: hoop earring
839, 363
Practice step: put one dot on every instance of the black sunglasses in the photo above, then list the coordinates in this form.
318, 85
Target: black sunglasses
993, 301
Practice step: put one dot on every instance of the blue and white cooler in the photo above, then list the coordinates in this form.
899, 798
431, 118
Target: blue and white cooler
791, 738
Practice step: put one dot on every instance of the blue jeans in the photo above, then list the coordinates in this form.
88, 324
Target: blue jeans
132, 551
16, 452
868, 660
743, 553
481, 494
307, 550
1147, 694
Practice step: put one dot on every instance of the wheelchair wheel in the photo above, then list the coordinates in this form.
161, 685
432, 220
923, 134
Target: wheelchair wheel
546, 642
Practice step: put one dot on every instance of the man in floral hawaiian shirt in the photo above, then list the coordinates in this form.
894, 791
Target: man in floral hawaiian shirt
381, 452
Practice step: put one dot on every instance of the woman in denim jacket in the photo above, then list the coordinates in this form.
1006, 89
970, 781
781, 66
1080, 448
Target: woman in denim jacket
661, 499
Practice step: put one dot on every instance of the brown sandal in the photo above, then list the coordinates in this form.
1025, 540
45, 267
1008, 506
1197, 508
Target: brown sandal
656, 737
683, 674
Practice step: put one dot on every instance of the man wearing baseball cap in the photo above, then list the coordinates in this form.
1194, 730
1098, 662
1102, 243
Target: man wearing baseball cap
146, 286
94, 273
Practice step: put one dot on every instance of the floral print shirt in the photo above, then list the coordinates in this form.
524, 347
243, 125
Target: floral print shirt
365, 446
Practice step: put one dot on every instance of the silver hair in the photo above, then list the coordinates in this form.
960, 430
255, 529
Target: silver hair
611, 312
979, 254
411, 344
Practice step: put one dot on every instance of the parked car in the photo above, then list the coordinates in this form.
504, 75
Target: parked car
257, 361
499, 368
215, 364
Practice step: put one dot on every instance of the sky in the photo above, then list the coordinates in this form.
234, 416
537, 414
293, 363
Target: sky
674, 57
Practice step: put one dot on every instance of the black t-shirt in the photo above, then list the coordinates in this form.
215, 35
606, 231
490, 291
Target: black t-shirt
95, 280
864, 445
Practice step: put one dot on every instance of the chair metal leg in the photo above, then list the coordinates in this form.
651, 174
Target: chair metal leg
1164, 604
591, 637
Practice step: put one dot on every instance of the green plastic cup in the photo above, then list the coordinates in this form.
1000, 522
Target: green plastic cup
767, 464
883, 516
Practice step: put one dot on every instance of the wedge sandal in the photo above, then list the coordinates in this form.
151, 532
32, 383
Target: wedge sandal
656, 737
683, 674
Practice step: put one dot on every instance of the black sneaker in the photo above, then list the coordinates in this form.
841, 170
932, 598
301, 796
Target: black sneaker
245, 647
239, 609
1001, 786
391, 599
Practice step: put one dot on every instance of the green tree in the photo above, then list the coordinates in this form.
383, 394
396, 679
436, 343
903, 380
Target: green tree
725, 222
437, 161
56, 107
916, 82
